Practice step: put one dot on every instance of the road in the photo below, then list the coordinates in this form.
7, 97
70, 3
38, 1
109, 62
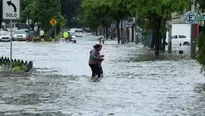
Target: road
133, 84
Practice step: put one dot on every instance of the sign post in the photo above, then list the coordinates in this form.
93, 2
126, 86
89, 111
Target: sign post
11, 25
11, 11
193, 20
53, 22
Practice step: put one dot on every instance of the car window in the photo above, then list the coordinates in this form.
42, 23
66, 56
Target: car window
182, 36
174, 37
20, 32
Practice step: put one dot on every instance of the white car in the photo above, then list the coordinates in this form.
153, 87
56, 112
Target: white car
178, 40
5, 36
20, 35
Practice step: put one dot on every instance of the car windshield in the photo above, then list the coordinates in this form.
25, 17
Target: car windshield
4, 33
20, 32
72, 33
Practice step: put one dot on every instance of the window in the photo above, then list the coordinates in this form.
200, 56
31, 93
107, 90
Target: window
174, 37
182, 36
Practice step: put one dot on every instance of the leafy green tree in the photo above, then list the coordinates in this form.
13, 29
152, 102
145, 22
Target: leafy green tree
89, 17
201, 51
158, 12
105, 12
42, 11
118, 10
96, 13
202, 9
70, 9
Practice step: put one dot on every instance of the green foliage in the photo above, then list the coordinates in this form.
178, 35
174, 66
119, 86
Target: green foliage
89, 17
42, 11
201, 51
201, 5
160, 8
16, 66
97, 12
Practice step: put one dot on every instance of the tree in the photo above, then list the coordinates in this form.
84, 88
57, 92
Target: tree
202, 9
105, 12
201, 51
119, 10
41, 12
158, 12
70, 9
96, 13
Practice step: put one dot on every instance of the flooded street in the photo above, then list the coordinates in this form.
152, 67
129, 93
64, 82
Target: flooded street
60, 84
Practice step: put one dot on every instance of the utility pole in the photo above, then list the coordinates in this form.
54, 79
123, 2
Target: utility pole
194, 33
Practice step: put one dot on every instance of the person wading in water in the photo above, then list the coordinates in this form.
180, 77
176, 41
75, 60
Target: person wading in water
95, 61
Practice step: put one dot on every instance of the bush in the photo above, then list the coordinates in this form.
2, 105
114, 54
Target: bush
201, 51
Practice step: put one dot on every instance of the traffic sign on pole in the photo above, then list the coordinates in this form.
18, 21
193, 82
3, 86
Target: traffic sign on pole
11, 9
53, 21
201, 18
192, 18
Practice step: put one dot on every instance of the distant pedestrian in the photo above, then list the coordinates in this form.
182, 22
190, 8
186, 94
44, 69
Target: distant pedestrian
100, 39
41, 34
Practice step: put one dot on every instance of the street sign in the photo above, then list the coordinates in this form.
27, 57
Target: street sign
11, 9
191, 18
201, 18
53, 21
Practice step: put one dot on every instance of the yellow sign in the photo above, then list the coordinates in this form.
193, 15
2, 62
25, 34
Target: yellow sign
53, 21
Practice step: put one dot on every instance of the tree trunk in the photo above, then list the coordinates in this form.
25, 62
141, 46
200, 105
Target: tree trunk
32, 26
106, 28
118, 32
122, 33
96, 32
160, 40
163, 40
157, 40
133, 32
153, 40
127, 29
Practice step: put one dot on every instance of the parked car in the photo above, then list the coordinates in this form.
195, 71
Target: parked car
5, 37
20, 35
179, 39
79, 33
